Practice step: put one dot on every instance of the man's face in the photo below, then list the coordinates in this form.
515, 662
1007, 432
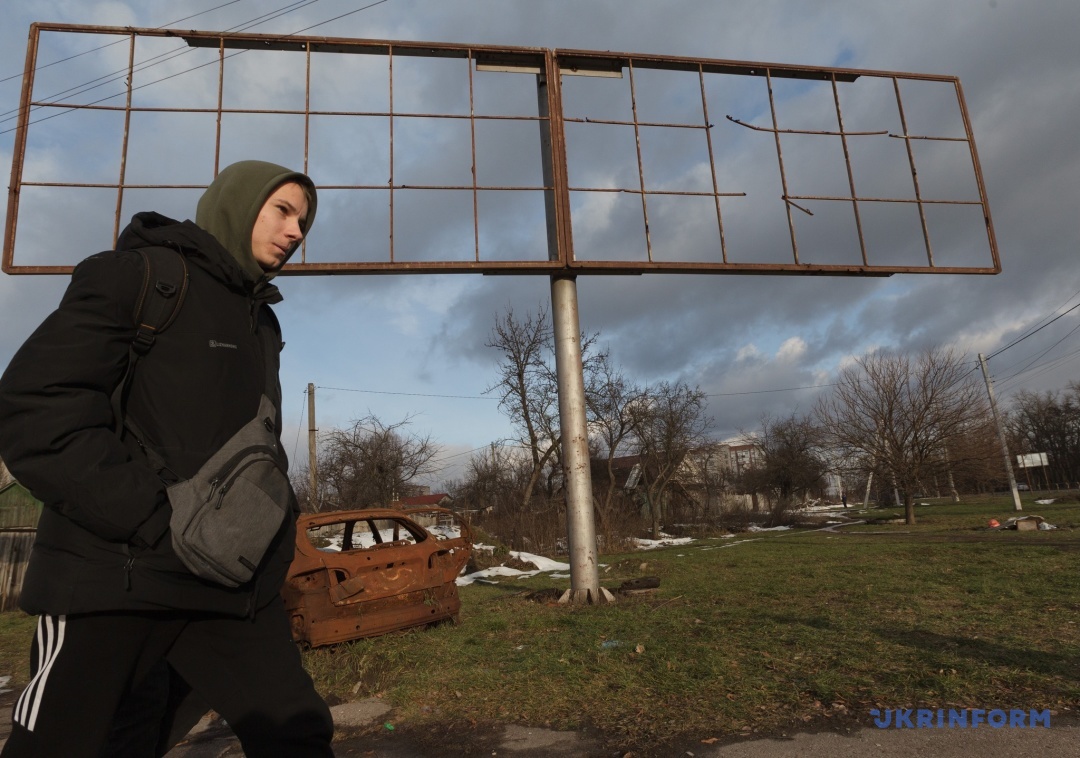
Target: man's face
279, 226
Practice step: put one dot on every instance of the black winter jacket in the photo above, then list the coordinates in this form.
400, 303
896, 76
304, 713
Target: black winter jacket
103, 542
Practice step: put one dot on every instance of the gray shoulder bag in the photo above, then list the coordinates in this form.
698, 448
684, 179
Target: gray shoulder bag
224, 517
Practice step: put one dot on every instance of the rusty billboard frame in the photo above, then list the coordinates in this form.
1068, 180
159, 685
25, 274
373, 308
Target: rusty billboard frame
548, 66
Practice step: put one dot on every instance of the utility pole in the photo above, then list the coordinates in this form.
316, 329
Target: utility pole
952, 482
1001, 434
313, 465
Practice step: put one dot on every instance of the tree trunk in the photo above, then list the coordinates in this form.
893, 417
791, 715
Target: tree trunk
654, 511
952, 488
538, 468
909, 508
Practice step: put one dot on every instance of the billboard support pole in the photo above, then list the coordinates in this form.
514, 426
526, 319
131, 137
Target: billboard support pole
581, 528
566, 329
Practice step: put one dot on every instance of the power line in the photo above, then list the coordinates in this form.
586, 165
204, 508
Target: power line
481, 397
1033, 363
299, 426
284, 10
760, 392
1044, 352
246, 25
1035, 331
407, 394
143, 65
335, 18
496, 443
469, 452
195, 68
1044, 367
110, 44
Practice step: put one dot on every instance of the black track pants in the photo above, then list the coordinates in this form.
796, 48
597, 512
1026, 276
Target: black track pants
249, 671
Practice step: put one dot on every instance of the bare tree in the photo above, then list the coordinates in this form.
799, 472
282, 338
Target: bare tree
903, 413
972, 462
527, 387
528, 391
372, 463
490, 493
609, 398
669, 422
493, 478
1049, 423
789, 462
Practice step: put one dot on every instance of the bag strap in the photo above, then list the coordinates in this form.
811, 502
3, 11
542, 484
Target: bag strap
271, 346
165, 283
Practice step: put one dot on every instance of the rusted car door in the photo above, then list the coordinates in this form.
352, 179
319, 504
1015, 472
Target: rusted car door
363, 573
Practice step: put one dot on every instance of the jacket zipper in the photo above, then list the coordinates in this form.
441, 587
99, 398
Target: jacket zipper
128, 566
153, 457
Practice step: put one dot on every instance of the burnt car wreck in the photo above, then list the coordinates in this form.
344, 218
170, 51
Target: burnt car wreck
367, 572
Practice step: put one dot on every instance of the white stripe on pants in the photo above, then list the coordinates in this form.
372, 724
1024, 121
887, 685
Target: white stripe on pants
50, 638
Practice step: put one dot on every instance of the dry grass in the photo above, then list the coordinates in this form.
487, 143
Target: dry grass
754, 633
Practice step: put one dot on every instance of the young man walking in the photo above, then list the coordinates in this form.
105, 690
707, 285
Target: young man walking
114, 599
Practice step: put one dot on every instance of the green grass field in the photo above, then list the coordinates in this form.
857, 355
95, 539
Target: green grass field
755, 633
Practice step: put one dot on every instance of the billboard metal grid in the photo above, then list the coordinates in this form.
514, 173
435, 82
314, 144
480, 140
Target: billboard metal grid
648, 207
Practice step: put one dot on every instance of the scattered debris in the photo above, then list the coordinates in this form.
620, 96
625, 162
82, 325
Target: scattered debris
1023, 524
508, 566
639, 585
666, 540
516, 562
547, 595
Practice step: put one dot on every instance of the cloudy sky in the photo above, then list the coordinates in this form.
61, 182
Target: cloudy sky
414, 346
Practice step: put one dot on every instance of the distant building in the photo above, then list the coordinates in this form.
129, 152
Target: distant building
738, 454
705, 479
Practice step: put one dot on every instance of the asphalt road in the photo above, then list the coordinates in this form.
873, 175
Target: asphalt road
363, 732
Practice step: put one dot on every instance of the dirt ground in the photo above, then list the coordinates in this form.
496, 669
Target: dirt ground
835, 740
368, 729
363, 733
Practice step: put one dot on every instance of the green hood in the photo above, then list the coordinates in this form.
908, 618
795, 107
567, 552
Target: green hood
231, 204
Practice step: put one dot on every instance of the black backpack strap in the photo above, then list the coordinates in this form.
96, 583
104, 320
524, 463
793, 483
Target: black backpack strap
165, 282
272, 345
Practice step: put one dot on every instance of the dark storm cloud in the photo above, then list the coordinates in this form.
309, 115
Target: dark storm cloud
729, 334
1019, 84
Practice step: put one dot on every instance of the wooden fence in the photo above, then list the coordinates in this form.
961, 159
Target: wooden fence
15, 544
